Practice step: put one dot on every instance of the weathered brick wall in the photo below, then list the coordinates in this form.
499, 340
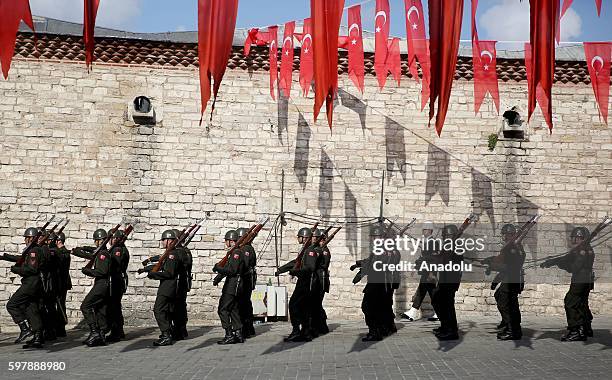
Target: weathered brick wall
68, 148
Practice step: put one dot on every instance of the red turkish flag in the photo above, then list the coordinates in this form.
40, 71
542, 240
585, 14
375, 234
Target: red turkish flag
541, 97
445, 18
566, 5
286, 70
382, 22
273, 57
416, 38
11, 14
484, 58
255, 37
216, 24
394, 60
356, 68
326, 17
474, 27
598, 2
598, 55
544, 20
426, 67
89, 25
306, 57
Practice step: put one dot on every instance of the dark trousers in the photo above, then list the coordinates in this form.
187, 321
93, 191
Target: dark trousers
229, 312
508, 305
373, 307
49, 312
163, 311
422, 290
443, 302
94, 306
388, 317
24, 305
246, 306
114, 310
60, 325
300, 309
319, 316
577, 306
179, 316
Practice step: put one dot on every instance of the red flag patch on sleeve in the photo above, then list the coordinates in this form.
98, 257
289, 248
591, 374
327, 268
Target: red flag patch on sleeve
102, 257
311, 253
236, 256
33, 254
171, 257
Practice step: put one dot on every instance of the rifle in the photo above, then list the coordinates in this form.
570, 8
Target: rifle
54, 240
171, 246
45, 234
255, 232
330, 237
298, 259
516, 238
155, 258
102, 245
466, 223
240, 242
193, 234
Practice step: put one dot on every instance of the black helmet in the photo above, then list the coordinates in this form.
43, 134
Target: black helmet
61, 237
100, 234
305, 232
168, 234
450, 231
177, 232
30, 232
581, 232
317, 233
118, 234
242, 231
508, 229
377, 230
231, 235
52, 236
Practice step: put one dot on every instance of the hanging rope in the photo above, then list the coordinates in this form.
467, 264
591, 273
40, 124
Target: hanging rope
268, 239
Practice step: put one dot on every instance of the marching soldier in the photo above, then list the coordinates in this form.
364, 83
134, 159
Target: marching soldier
319, 317
578, 262
94, 306
374, 293
509, 264
233, 271
65, 283
167, 290
120, 260
448, 283
249, 280
301, 301
23, 306
179, 316
427, 282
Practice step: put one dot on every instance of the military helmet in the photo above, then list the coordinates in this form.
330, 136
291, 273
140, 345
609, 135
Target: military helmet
377, 230
168, 234
118, 234
100, 234
52, 236
231, 235
177, 232
508, 229
30, 232
242, 231
61, 237
317, 233
450, 231
305, 232
581, 232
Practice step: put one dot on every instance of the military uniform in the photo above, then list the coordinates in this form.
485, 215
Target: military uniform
303, 297
179, 317
23, 305
248, 284
229, 310
64, 284
579, 262
443, 300
319, 317
94, 306
509, 264
118, 286
49, 266
166, 295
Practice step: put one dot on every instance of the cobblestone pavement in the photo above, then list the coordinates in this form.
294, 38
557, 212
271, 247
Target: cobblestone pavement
413, 353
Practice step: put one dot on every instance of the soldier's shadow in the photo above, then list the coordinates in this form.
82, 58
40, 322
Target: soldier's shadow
282, 346
448, 345
197, 332
360, 345
600, 336
207, 343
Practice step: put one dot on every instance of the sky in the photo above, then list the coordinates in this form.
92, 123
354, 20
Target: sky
501, 20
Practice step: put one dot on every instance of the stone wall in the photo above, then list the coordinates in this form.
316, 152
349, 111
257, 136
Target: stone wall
68, 148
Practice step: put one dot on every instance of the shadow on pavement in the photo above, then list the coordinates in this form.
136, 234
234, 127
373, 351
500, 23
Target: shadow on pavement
207, 343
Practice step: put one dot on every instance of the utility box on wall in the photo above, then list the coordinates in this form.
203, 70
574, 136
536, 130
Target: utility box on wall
269, 301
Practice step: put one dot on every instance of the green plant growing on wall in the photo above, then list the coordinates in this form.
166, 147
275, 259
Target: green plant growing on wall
492, 141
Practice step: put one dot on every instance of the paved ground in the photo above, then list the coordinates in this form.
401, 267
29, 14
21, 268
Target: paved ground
413, 353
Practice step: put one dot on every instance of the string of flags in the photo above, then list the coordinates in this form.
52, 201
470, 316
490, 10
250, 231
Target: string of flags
320, 41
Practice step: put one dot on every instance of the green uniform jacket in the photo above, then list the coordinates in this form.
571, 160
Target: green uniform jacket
167, 275
232, 271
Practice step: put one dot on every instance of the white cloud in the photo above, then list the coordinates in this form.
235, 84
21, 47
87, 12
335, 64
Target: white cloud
509, 21
112, 13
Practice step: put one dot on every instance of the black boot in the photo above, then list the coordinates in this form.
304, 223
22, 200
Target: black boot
25, 332
448, 335
294, 334
114, 336
575, 334
49, 335
238, 338
373, 336
35, 342
502, 326
588, 330
97, 337
164, 340
60, 332
228, 338
510, 334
